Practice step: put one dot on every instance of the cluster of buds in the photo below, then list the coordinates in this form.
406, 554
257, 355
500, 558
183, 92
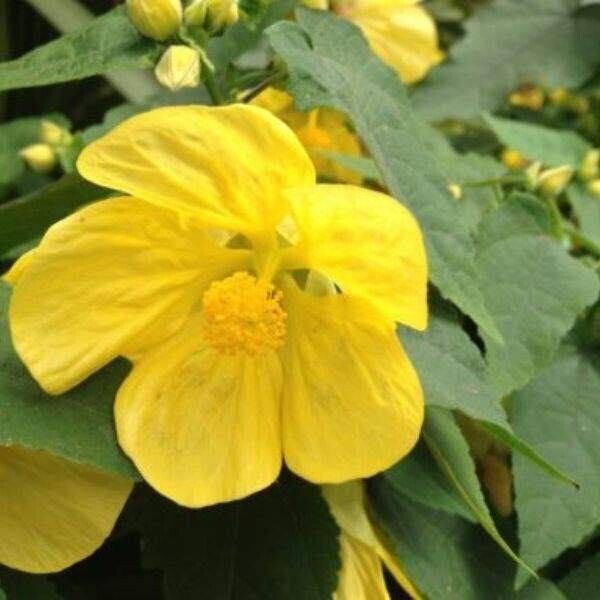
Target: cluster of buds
180, 66
528, 96
534, 98
42, 157
589, 172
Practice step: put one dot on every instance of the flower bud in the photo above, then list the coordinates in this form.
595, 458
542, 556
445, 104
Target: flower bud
39, 157
593, 187
530, 97
195, 14
513, 159
221, 14
589, 165
552, 182
156, 19
54, 135
179, 67
532, 173
559, 96
455, 191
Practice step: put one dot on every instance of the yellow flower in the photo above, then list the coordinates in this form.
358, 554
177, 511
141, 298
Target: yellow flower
361, 552
401, 33
199, 276
321, 129
53, 512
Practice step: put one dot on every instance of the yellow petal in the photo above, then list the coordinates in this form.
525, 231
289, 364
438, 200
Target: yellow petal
402, 35
202, 427
227, 165
111, 279
53, 512
19, 266
361, 577
353, 404
368, 243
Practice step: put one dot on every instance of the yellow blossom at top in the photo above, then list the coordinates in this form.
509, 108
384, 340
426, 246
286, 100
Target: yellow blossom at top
320, 130
54, 512
400, 32
257, 307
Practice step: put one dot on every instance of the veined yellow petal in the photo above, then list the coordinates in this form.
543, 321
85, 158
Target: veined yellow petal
54, 512
227, 165
368, 243
352, 402
401, 34
361, 577
112, 279
202, 427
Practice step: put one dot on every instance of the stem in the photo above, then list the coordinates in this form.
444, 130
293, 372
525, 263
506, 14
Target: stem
556, 218
211, 86
583, 241
495, 181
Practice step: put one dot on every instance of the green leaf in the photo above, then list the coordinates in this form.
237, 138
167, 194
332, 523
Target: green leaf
507, 42
446, 557
419, 478
532, 287
559, 414
24, 586
552, 147
540, 590
583, 581
451, 451
109, 43
279, 543
28, 217
587, 211
359, 164
322, 53
77, 425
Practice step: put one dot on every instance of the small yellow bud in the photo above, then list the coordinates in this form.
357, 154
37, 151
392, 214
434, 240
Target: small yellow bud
195, 13
54, 135
559, 96
589, 165
316, 4
178, 67
221, 14
39, 157
530, 97
513, 159
455, 191
156, 19
593, 187
552, 182
532, 172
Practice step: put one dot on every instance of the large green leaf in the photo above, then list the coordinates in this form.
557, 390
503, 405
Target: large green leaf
532, 287
279, 543
77, 425
27, 218
559, 414
507, 42
587, 211
332, 64
549, 146
109, 43
584, 580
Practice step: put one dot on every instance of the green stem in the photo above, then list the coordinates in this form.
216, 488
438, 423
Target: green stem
515, 179
211, 87
555, 218
583, 241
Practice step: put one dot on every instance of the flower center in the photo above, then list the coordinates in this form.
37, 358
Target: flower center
242, 313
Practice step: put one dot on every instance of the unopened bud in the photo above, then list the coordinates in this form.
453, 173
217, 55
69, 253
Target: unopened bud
54, 135
179, 67
195, 13
532, 173
221, 14
39, 157
589, 165
156, 19
559, 96
513, 159
593, 187
553, 181
530, 97
455, 191
580, 105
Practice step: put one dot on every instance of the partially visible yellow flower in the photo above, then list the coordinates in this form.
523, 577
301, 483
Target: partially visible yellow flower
53, 512
178, 68
156, 19
198, 276
321, 129
40, 158
362, 554
530, 96
513, 159
401, 33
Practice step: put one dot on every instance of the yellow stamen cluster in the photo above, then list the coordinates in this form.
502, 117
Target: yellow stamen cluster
242, 313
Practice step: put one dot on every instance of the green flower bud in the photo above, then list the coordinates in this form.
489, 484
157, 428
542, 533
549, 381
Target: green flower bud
589, 165
40, 158
54, 135
593, 187
156, 19
179, 67
195, 14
